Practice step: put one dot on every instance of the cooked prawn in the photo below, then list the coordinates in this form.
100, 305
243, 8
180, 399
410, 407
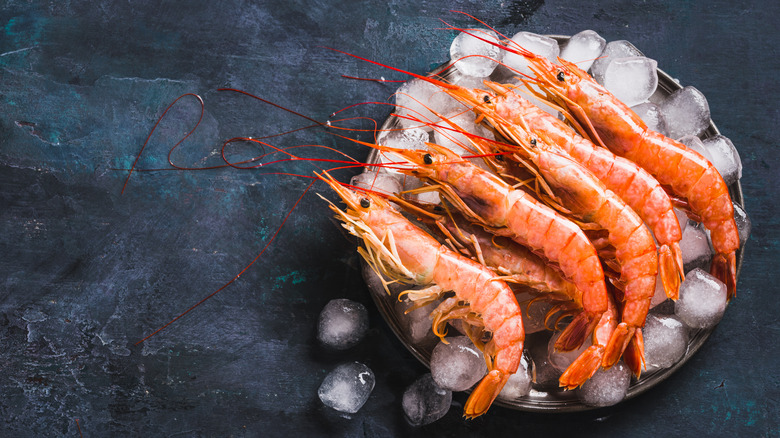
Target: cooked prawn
694, 182
402, 251
509, 111
486, 199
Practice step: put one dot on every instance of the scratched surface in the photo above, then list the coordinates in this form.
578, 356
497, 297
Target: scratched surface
87, 272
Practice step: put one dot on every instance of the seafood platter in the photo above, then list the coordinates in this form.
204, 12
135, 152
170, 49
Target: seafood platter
567, 222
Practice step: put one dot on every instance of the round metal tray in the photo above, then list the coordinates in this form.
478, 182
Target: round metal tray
547, 398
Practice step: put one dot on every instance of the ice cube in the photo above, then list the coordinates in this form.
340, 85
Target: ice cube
381, 182
695, 247
543, 372
606, 387
694, 143
686, 112
519, 384
666, 340
347, 387
537, 44
650, 113
419, 99
417, 323
612, 51
632, 80
743, 223
472, 55
410, 138
561, 360
583, 48
454, 139
343, 324
425, 402
702, 300
724, 156
458, 365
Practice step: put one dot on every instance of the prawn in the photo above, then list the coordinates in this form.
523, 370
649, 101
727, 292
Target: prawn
507, 111
486, 199
519, 265
628, 243
400, 250
694, 182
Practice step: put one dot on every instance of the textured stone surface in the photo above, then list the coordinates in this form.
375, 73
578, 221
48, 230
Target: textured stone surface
87, 272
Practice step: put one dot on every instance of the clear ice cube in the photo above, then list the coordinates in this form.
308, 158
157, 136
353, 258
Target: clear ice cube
537, 44
381, 182
612, 51
519, 384
472, 55
425, 402
666, 340
347, 387
650, 113
702, 300
343, 323
419, 100
583, 49
606, 387
695, 247
458, 365
632, 80
686, 112
418, 322
743, 223
724, 156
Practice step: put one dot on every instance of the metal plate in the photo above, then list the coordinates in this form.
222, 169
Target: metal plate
547, 398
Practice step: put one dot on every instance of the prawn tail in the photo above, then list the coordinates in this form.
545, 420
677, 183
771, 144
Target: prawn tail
671, 269
582, 368
634, 356
617, 344
577, 331
483, 395
724, 268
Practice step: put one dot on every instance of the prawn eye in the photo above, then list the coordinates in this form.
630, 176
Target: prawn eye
427, 159
533, 142
486, 98
365, 203
500, 158
561, 77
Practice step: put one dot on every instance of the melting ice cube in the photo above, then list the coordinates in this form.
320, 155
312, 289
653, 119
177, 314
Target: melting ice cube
537, 44
606, 387
724, 156
347, 387
632, 80
695, 247
666, 340
417, 323
702, 300
425, 402
519, 383
650, 113
686, 112
583, 48
412, 98
473, 56
343, 324
457, 366
743, 223
612, 51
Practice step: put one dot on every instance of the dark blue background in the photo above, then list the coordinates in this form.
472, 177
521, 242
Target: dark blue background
87, 272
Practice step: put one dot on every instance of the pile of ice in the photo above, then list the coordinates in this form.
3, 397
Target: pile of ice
343, 324
347, 387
